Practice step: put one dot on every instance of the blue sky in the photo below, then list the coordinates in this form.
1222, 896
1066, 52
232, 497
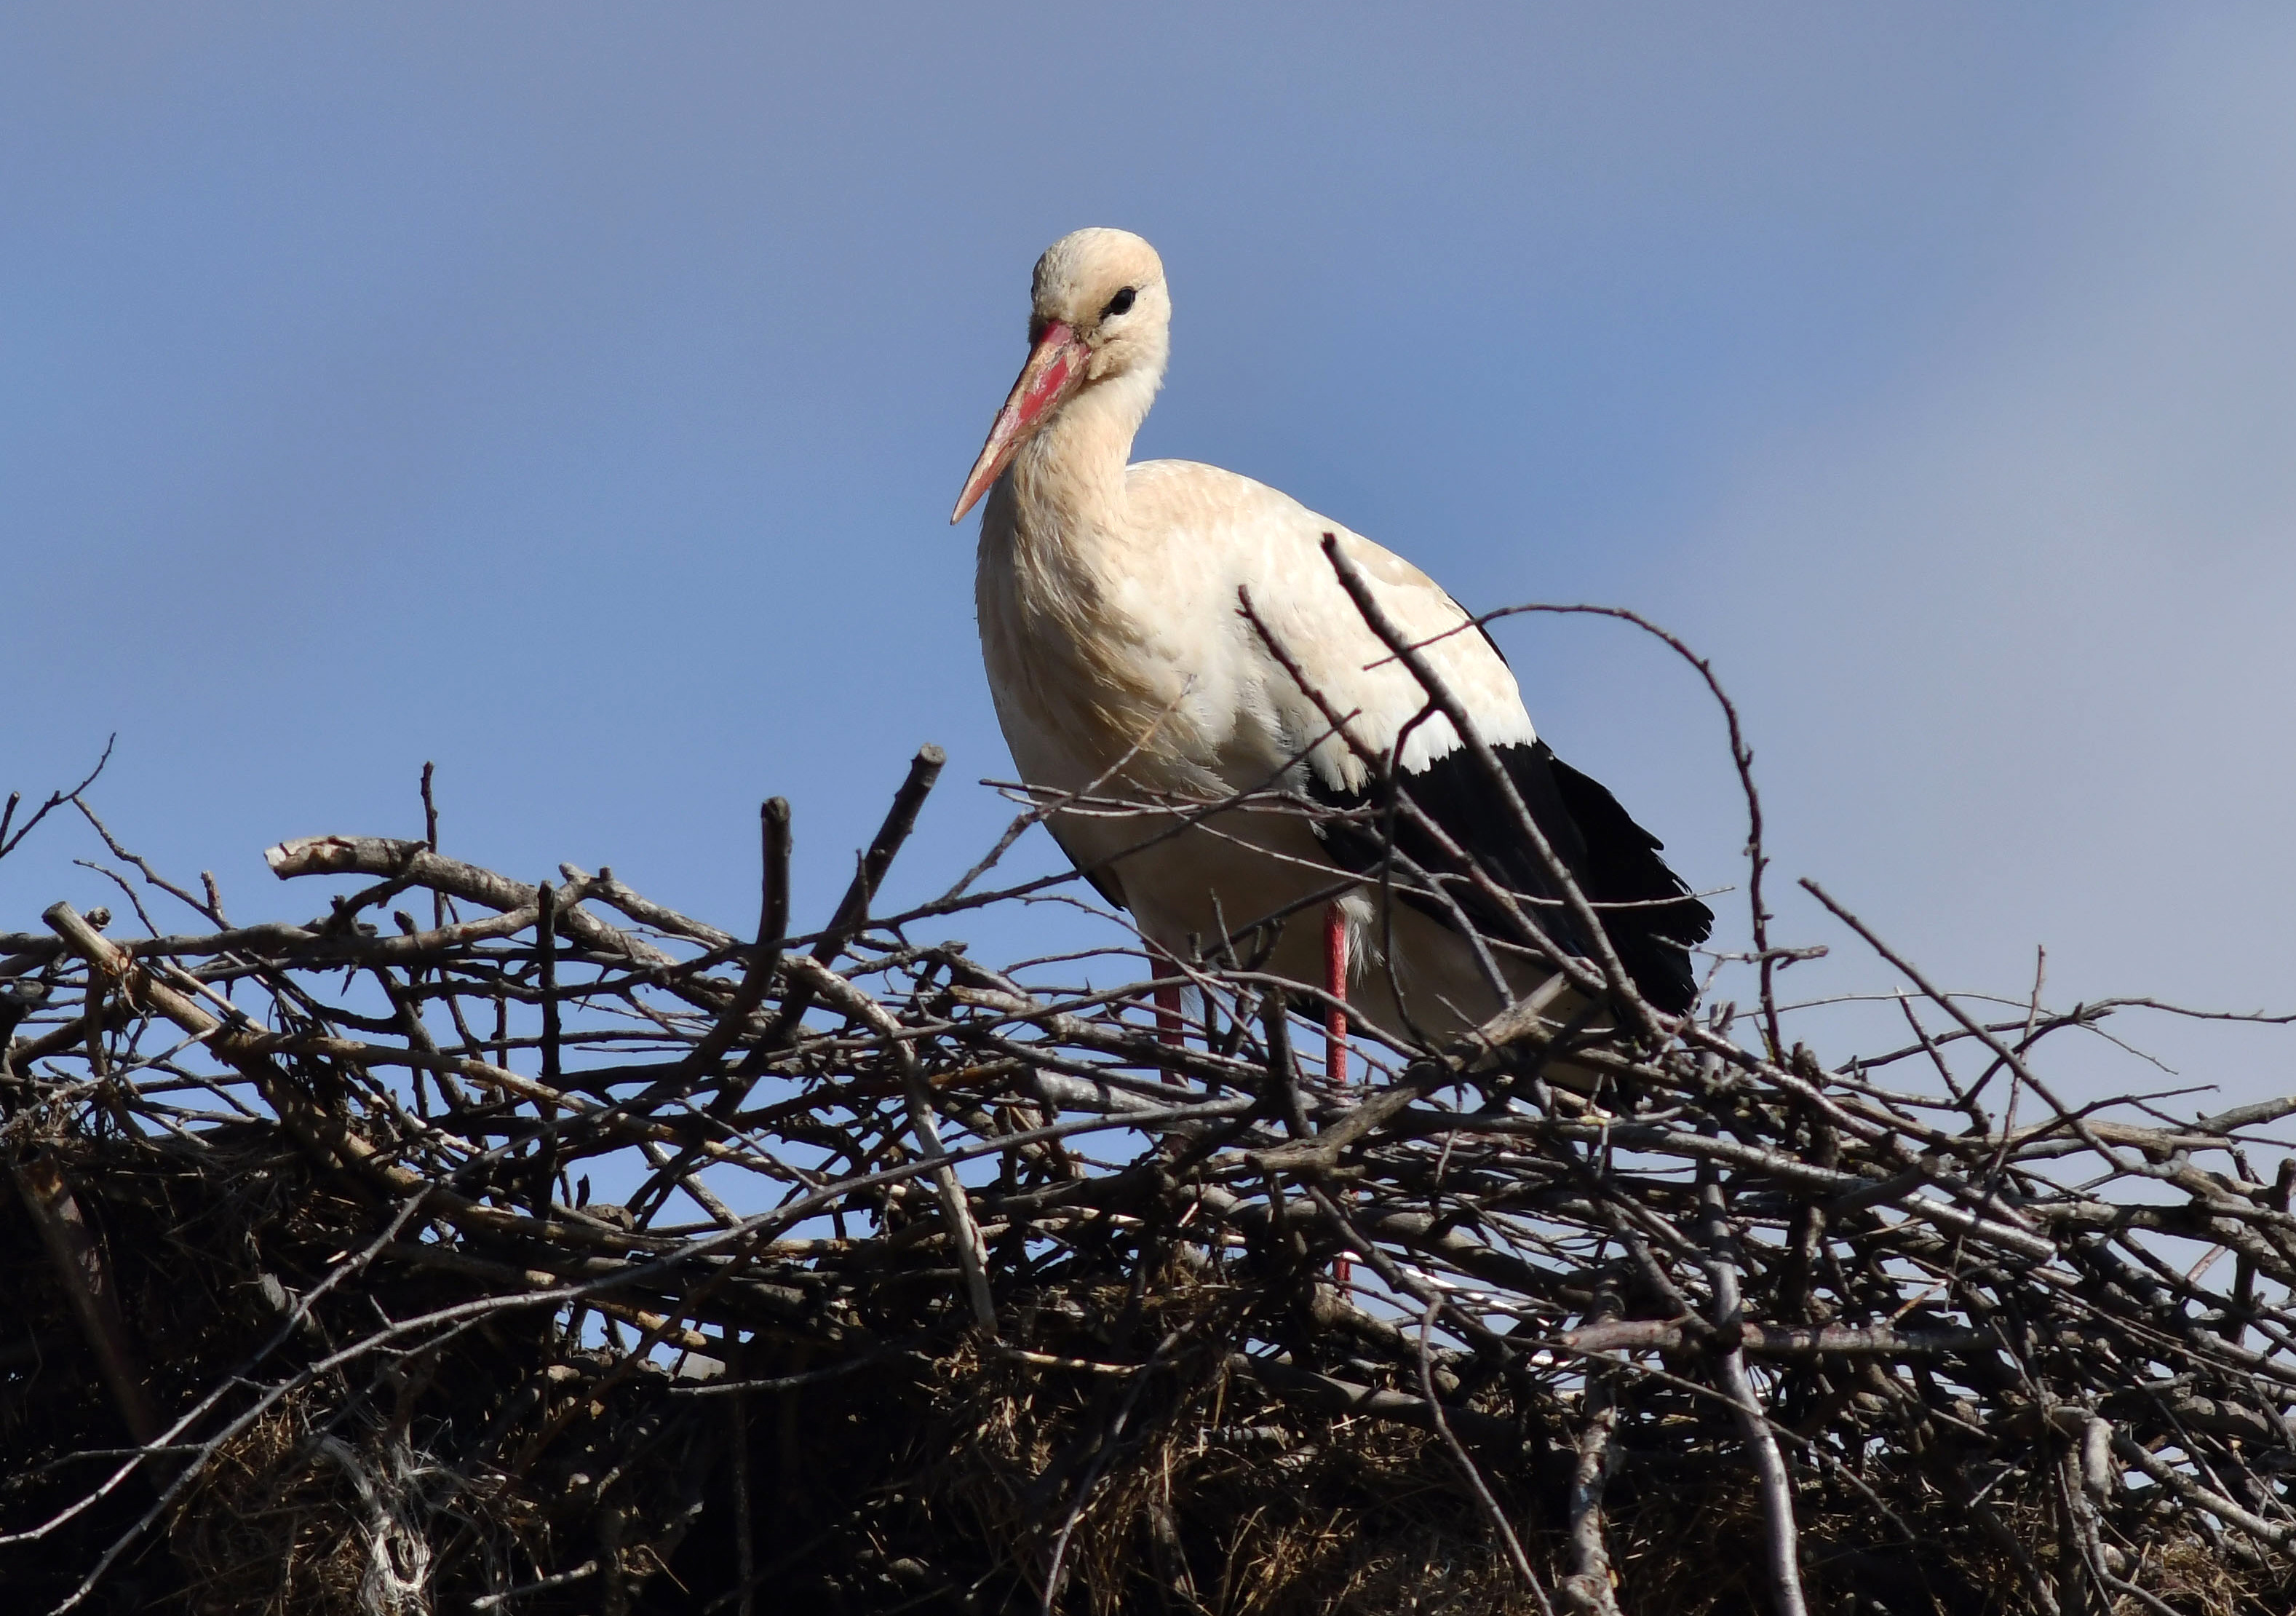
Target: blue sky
574, 396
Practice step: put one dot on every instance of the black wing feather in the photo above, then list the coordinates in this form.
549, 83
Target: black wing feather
1103, 879
1613, 859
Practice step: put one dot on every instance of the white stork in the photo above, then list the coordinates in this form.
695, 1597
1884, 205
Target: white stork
1121, 666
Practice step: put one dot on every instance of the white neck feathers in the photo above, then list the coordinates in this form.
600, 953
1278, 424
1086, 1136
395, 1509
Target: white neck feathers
1067, 481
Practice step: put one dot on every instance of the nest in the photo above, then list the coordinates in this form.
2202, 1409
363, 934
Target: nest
929, 1286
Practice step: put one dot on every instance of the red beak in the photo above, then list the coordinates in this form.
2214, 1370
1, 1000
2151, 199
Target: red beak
1054, 370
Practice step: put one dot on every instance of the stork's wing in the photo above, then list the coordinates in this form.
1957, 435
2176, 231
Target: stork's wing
1613, 859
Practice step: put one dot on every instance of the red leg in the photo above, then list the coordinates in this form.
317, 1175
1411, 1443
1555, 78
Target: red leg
1169, 1025
1169, 1028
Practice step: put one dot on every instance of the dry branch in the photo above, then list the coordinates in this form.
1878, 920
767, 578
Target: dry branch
1025, 1308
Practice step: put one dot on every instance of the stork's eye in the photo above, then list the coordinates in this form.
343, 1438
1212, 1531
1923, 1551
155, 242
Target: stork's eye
1121, 303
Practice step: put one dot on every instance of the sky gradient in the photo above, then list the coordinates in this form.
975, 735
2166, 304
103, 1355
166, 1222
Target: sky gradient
575, 395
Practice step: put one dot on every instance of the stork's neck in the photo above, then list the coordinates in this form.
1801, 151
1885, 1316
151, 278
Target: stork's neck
1068, 481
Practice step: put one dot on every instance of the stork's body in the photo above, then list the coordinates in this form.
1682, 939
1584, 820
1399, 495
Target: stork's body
1120, 664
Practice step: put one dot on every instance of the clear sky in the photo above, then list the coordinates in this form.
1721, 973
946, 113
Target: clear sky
575, 395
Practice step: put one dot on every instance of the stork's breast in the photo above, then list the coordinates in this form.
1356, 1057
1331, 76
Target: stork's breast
1085, 671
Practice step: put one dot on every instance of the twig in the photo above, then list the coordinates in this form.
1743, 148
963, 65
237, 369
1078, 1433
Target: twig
56, 799
1955, 1335
1753, 1422
1467, 1467
86, 1277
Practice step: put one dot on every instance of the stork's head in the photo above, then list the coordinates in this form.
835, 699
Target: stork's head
1098, 315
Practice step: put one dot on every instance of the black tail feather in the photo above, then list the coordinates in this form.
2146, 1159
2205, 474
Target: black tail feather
1613, 859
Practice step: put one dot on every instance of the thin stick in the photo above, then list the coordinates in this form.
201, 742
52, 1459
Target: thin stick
86, 1280
765, 959
1492, 1511
1784, 1554
853, 911
56, 799
431, 839
1588, 1587
546, 944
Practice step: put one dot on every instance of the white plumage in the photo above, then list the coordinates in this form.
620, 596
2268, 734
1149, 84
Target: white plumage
1117, 654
